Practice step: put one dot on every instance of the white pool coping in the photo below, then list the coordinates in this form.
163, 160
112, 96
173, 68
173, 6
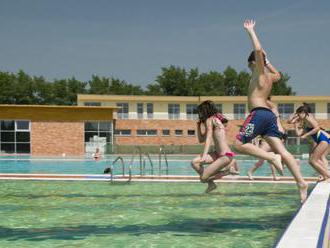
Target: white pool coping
310, 226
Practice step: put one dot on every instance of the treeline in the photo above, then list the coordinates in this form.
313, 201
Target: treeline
21, 88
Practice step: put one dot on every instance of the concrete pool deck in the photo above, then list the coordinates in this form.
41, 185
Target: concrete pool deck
311, 226
149, 178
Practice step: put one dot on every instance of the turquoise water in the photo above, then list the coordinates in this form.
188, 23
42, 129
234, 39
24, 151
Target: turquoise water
88, 166
99, 214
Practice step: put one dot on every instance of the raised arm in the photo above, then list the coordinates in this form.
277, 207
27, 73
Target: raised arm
209, 132
249, 27
276, 75
313, 123
201, 135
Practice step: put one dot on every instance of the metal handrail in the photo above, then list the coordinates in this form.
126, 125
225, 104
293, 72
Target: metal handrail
111, 169
151, 163
162, 151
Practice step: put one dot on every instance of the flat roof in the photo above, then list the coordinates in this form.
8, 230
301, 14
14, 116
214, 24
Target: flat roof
56, 113
91, 98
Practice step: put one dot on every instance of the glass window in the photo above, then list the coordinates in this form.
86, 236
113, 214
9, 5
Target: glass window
191, 132
178, 132
23, 148
7, 125
191, 111
89, 136
139, 110
312, 107
239, 111
7, 136
219, 107
8, 147
150, 110
22, 126
123, 132
22, 137
146, 132
122, 111
106, 135
166, 132
105, 126
174, 111
285, 109
91, 126
15, 136
92, 103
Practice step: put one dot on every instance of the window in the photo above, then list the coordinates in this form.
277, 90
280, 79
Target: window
15, 136
146, 132
166, 132
123, 111
123, 132
191, 111
140, 110
312, 107
219, 107
150, 110
98, 132
285, 109
92, 104
191, 132
174, 111
178, 132
239, 111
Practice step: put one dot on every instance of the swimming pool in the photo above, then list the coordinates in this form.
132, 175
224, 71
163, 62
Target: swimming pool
177, 166
99, 214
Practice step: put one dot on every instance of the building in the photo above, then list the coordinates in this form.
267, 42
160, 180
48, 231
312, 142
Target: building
55, 130
171, 120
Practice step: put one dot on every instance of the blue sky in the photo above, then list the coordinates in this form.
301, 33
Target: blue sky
132, 39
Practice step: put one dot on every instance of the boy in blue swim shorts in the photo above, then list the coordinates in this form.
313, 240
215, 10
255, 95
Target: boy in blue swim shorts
262, 121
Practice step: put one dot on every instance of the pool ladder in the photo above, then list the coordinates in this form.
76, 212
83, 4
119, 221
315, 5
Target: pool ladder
122, 163
143, 159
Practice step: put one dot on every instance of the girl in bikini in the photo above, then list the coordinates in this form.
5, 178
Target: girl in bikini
210, 128
307, 127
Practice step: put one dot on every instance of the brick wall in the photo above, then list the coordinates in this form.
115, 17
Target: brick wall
159, 125
172, 125
56, 138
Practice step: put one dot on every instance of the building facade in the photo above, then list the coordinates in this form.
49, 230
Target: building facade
55, 130
171, 120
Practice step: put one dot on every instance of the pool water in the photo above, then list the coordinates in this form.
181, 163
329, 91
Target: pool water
100, 214
88, 166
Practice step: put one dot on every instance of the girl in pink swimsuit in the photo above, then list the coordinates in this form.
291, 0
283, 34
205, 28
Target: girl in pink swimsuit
211, 129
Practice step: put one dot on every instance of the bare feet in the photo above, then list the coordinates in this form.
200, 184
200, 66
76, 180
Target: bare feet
211, 186
249, 174
275, 178
277, 162
303, 192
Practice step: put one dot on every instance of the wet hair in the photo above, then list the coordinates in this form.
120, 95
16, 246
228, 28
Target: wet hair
252, 57
305, 108
207, 109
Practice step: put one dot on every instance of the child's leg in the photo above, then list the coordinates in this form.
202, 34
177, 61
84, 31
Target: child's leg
254, 168
213, 168
251, 149
316, 159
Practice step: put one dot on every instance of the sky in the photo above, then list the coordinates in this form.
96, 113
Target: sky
133, 39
